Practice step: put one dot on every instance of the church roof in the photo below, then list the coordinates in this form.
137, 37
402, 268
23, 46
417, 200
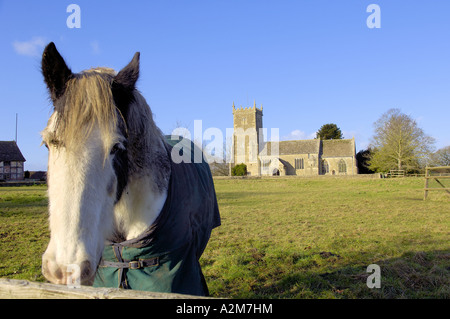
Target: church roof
330, 148
295, 147
337, 148
9, 151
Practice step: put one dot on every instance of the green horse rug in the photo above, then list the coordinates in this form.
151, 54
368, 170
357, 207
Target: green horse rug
165, 258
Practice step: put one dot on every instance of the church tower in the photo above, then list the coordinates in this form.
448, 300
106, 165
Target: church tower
246, 137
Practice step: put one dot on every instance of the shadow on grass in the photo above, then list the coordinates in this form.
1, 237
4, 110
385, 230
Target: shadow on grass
414, 275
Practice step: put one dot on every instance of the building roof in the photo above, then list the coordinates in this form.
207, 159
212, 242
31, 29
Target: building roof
295, 147
9, 151
338, 148
330, 148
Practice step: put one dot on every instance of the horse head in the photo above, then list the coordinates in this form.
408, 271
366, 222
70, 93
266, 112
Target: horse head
87, 139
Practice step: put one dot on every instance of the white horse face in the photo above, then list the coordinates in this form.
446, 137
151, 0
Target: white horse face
82, 187
87, 163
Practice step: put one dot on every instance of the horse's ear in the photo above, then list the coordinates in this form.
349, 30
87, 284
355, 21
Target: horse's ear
55, 71
124, 84
128, 76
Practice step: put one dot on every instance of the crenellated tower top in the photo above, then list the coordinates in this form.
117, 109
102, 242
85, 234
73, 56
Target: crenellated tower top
248, 108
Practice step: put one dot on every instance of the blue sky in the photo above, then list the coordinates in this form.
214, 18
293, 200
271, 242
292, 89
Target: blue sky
308, 62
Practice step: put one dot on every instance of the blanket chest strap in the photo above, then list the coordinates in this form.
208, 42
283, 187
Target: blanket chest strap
134, 264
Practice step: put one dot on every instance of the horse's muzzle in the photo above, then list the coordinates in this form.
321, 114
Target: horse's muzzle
71, 274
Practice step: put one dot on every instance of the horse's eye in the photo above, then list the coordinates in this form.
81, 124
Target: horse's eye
115, 148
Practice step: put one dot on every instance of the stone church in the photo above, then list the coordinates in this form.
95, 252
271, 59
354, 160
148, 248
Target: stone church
302, 157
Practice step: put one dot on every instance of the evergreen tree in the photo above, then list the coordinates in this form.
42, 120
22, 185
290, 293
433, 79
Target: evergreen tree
329, 132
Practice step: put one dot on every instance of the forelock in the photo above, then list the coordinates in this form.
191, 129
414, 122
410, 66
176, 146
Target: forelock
87, 101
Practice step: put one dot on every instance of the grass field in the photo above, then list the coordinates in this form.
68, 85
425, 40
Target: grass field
289, 238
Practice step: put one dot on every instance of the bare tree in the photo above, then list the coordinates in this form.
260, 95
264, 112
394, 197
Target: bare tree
398, 143
219, 164
441, 157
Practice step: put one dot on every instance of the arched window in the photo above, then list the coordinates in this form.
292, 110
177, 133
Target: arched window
342, 166
325, 167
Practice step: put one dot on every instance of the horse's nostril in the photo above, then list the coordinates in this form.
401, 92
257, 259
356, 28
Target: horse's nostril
59, 274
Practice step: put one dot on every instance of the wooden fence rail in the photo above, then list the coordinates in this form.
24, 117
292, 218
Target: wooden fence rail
23, 289
396, 173
435, 177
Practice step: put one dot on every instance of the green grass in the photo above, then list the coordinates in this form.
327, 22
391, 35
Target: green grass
23, 231
314, 238
289, 238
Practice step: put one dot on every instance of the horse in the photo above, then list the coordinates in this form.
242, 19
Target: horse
121, 211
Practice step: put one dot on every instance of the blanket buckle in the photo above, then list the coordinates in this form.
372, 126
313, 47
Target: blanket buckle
136, 264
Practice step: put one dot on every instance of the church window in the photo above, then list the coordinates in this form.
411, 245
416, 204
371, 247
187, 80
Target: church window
299, 163
342, 166
325, 167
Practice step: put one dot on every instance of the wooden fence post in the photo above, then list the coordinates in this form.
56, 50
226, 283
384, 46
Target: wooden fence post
426, 184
